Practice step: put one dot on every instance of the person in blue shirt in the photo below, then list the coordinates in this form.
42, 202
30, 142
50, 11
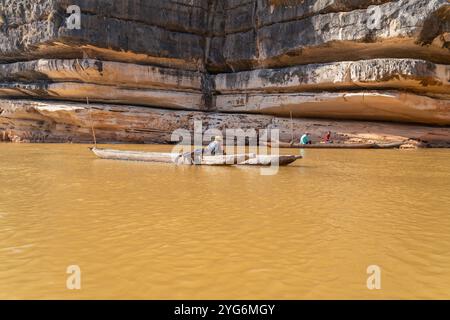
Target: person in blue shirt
305, 139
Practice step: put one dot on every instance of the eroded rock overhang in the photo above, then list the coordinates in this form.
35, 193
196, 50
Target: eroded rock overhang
52, 121
374, 60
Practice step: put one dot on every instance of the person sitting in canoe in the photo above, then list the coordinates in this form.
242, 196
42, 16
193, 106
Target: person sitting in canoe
327, 137
214, 148
305, 139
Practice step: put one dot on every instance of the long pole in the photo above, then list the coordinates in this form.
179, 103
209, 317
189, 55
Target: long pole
292, 129
92, 122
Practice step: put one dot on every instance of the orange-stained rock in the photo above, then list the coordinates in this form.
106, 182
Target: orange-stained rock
358, 105
31, 121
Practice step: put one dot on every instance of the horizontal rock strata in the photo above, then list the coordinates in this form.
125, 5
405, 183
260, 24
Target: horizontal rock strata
103, 81
370, 105
406, 74
107, 94
276, 11
148, 67
118, 30
180, 15
399, 29
101, 72
31, 121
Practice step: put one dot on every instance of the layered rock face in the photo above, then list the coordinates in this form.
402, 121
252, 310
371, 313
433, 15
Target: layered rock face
309, 31
367, 59
44, 121
103, 81
169, 33
146, 65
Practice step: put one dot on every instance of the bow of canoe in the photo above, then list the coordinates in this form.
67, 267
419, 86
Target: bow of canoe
282, 160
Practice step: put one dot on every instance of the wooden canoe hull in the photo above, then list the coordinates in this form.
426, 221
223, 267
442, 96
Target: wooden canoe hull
271, 160
174, 158
111, 154
286, 145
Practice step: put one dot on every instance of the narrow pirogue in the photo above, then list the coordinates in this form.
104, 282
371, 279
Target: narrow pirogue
286, 145
249, 159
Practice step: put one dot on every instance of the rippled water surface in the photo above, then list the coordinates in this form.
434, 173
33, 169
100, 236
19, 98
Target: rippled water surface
140, 230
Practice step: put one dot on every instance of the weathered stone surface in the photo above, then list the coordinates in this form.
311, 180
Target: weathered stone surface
407, 74
31, 121
185, 16
216, 18
275, 11
370, 105
62, 122
405, 29
101, 72
17, 13
245, 15
101, 36
241, 18
100, 93
215, 59
341, 59
263, 33
103, 81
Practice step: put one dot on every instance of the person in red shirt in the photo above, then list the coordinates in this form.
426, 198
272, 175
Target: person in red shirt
327, 137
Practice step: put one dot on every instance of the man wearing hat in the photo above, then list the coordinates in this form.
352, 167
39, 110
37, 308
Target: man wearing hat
215, 147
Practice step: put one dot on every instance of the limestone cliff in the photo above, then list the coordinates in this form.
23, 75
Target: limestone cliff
150, 67
45, 121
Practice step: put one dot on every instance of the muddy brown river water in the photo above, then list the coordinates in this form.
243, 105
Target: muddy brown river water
157, 231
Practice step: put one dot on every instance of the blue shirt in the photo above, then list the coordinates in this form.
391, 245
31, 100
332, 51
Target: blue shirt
304, 139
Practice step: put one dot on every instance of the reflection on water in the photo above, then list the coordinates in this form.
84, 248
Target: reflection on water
140, 230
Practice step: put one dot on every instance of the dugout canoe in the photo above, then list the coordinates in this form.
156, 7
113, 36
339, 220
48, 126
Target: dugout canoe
175, 158
286, 145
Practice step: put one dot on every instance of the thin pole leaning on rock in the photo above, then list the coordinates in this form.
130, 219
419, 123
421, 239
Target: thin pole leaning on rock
292, 129
92, 122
